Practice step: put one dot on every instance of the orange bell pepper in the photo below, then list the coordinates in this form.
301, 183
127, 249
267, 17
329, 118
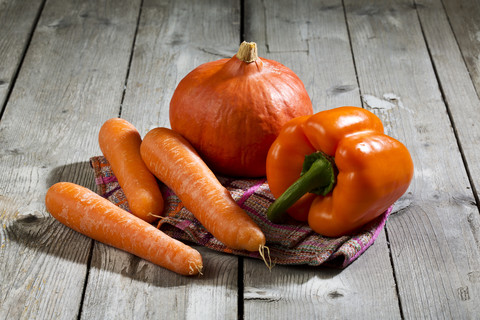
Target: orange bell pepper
337, 170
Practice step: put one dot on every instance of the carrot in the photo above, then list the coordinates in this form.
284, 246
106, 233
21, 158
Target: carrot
173, 160
120, 144
96, 217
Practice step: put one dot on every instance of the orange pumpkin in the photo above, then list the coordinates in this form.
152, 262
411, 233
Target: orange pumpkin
231, 110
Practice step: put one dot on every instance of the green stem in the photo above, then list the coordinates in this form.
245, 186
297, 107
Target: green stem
318, 177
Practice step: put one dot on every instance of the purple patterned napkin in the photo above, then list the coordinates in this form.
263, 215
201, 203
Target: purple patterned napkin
293, 243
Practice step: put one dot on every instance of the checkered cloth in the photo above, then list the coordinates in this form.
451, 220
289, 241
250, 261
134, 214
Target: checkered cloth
293, 243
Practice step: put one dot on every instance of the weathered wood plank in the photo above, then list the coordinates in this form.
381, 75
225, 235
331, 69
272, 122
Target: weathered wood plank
463, 104
173, 38
17, 19
326, 67
457, 76
124, 287
358, 292
464, 20
432, 239
71, 80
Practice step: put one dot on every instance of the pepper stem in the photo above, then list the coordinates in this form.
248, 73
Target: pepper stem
247, 52
318, 176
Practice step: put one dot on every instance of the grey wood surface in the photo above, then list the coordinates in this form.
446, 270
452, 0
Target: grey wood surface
17, 22
432, 233
71, 81
67, 66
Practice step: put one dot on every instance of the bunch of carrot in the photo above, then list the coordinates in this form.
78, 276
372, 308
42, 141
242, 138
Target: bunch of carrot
166, 155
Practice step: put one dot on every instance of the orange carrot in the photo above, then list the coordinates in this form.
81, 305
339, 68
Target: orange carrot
96, 217
120, 144
173, 160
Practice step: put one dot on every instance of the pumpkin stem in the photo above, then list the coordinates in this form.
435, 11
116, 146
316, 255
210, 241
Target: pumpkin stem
247, 52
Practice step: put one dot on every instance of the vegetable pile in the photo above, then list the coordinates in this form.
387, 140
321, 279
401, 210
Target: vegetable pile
243, 117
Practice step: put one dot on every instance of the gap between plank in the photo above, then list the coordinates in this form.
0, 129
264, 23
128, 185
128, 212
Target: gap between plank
130, 59
390, 255
20, 64
351, 53
242, 17
387, 239
85, 283
240, 286
240, 260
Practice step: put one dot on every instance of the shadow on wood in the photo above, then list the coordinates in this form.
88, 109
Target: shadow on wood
79, 172
36, 233
30, 224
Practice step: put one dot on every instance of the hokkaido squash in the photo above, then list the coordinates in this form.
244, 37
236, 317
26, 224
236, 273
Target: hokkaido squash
231, 110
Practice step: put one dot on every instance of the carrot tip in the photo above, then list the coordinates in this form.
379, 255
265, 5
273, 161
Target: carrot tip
154, 215
195, 268
262, 249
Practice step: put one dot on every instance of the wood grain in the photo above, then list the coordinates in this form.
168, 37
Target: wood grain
367, 286
463, 104
17, 21
124, 287
464, 20
431, 239
326, 66
71, 79
174, 37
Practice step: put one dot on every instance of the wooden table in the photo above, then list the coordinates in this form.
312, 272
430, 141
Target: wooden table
67, 66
